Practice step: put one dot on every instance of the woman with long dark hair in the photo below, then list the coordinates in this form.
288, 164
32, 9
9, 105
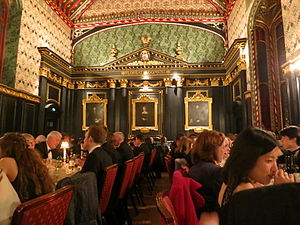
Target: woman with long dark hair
23, 167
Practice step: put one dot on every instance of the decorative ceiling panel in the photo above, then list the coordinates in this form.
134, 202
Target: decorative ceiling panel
115, 8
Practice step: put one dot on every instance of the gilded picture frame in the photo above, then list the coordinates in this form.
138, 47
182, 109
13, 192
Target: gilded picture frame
237, 90
53, 93
145, 113
94, 111
198, 113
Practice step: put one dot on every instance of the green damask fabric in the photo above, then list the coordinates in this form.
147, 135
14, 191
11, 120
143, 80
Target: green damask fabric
198, 45
11, 44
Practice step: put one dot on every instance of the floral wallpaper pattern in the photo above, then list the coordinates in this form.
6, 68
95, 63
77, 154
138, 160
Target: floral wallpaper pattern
198, 45
291, 23
40, 27
105, 7
238, 21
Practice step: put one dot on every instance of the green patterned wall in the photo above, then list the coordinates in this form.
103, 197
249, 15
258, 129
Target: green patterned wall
198, 45
11, 44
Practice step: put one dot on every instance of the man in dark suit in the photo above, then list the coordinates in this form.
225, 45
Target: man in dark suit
122, 147
290, 141
51, 147
141, 146
97, 159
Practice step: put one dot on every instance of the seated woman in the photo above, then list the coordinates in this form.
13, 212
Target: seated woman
24, 168
207, 153
252, 163
182, 154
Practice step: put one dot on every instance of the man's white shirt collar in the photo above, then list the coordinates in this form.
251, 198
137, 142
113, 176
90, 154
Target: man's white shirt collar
97, 146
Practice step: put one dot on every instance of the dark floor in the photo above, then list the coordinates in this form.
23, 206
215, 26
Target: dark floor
148, 214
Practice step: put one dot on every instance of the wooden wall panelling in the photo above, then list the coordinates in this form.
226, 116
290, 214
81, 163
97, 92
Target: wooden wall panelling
111, 109
29, 118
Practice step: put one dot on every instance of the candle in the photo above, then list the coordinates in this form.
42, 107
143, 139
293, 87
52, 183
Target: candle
64, 146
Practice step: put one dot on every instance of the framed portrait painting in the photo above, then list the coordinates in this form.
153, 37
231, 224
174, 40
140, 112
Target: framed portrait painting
144, 113
198, 112
94, 111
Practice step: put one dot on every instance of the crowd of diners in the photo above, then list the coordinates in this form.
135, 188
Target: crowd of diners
223, 165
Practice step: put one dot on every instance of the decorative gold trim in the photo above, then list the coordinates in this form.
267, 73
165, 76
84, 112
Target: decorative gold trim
91, 85
93, 99
145, 83
144, 99
179, 82
234, 95
123, 83
198, 98
19, 94
197, 82
168, 82
214, 82
248, 94
90, 94
201, 92
112, 83
59, 93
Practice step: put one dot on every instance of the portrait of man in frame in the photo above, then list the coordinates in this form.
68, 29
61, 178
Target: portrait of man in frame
94, 111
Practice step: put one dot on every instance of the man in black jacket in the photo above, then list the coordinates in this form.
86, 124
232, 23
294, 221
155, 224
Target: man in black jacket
122, 147
50, 147
97, 159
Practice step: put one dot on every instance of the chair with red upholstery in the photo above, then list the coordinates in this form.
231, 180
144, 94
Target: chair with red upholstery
47, 209
168, 164
123, 190
166, 209
110, 173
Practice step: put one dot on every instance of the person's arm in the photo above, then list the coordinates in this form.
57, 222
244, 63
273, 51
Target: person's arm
9, 167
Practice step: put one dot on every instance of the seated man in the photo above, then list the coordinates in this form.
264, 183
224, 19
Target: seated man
122, 147
50, 148
97, 159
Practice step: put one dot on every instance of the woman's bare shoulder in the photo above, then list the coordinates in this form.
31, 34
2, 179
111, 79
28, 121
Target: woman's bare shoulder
244, 186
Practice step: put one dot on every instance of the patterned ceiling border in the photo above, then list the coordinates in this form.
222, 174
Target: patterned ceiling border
19, 94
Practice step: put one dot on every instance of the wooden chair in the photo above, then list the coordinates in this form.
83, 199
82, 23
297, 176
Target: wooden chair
110, 173
166, 209
47, 209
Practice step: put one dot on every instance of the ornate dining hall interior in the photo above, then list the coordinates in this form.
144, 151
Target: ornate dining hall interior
149, 66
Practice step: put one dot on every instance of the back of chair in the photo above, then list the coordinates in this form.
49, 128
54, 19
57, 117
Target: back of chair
136, 161
141, 161
166, 209
152, 157
127, 173
168, 163
47, 209
109, 179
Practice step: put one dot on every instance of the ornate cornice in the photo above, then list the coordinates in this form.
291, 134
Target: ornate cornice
63, 81
123, 83
90, 84
197, 82
19, 94
145, 83
215, 82
168, 82
112, 83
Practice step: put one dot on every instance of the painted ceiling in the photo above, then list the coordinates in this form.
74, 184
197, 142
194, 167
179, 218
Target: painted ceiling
73, 11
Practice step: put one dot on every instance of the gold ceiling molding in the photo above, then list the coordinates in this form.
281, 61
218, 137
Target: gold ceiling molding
19, 94
88, 84
197, 82
145, 83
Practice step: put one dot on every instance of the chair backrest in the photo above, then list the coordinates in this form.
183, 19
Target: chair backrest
136, 162
152, 157
141, 161
47, 209
126, 178
168, 163
166, 209
109, 179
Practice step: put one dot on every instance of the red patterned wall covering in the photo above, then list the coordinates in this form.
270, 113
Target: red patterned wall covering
3, 23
